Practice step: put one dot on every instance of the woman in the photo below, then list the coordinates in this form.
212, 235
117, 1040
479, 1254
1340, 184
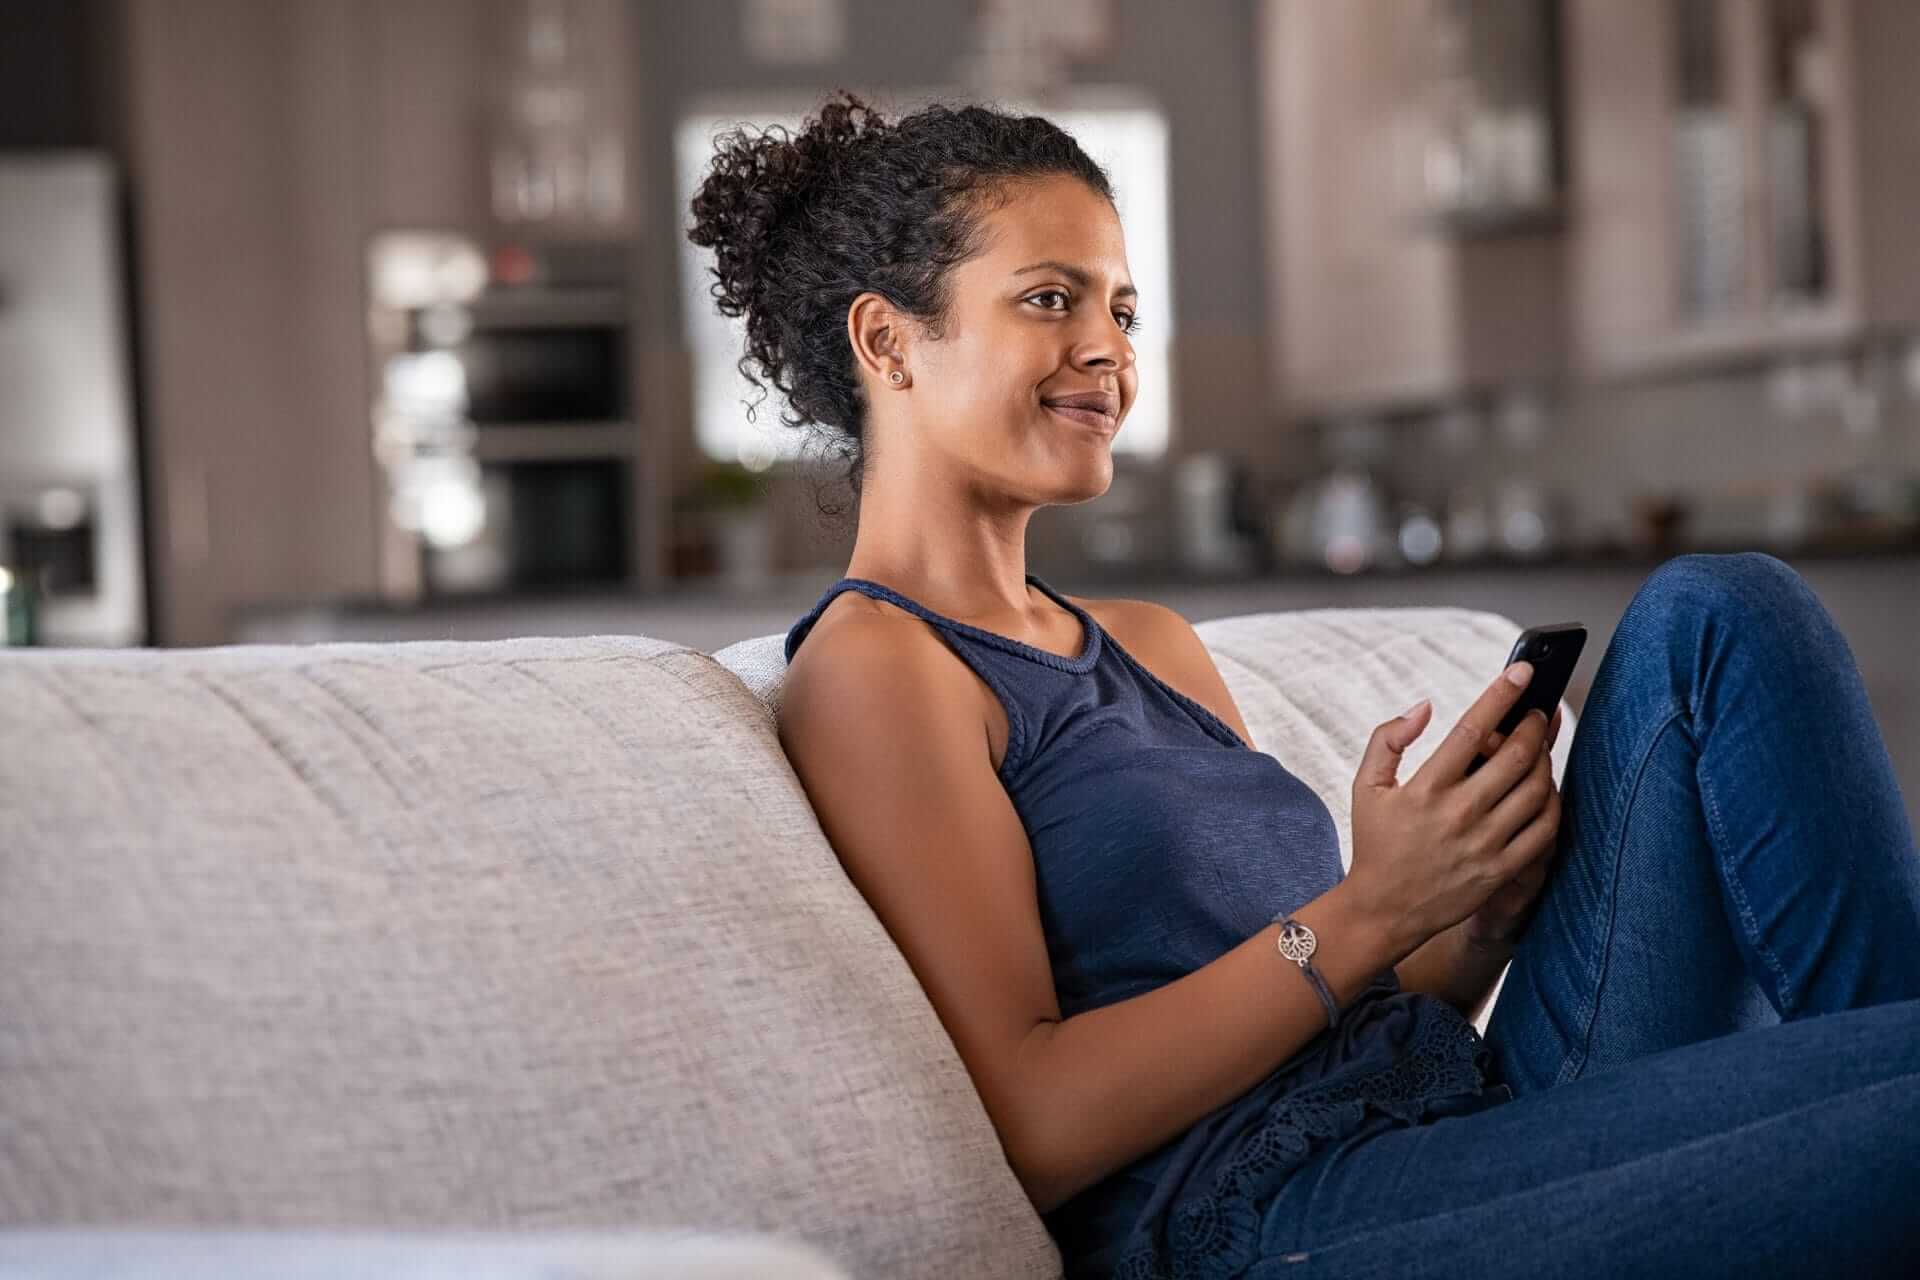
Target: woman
1706, 1057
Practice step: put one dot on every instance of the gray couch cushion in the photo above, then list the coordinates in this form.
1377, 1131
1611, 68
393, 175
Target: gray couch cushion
533, 933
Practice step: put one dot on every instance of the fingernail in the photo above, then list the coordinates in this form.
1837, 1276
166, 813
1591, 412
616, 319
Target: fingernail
1408, 714
1519, 673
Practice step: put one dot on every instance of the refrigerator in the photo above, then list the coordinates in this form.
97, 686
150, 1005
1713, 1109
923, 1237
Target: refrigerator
70, 492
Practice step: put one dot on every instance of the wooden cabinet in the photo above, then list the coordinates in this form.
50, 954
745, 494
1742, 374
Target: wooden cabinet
1739, 180
1743, 181
1716, 191
1381, 296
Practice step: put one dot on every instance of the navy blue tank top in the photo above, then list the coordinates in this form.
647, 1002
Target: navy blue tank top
1160, 842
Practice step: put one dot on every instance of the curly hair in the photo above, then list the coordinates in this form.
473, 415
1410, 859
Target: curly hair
803, 224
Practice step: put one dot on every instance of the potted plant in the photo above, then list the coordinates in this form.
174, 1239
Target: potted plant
730, 501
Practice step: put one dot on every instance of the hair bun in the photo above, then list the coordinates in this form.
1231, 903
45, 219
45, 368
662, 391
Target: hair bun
758, 180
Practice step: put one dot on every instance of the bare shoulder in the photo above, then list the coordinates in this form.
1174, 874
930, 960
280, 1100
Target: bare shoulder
859, 643
1164, 642
854, 633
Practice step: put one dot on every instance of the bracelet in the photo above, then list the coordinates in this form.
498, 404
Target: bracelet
1297, 943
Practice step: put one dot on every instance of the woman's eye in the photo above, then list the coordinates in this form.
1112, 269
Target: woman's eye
1129, 321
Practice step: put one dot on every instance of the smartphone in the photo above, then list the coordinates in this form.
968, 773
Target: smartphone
1554, 651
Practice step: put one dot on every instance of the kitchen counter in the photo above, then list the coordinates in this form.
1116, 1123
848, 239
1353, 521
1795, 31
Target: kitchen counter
711, 612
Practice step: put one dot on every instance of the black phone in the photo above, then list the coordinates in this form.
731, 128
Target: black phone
1554, 651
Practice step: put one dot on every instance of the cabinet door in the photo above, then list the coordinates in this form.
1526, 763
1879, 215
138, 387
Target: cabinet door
1712, 188
1363, 299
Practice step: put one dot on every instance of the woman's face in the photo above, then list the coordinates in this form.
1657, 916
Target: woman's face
1042, 313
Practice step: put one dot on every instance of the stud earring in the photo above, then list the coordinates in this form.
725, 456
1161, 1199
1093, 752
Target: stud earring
897, 378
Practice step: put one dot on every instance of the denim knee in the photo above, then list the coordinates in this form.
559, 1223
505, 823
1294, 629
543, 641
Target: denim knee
1752, 583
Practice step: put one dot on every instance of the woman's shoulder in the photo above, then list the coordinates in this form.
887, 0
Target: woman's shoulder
856, 636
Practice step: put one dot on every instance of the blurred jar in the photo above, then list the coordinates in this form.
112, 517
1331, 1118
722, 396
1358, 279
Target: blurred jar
1420, 536
1351, 529
1526, 520
1467, 529
1209, 489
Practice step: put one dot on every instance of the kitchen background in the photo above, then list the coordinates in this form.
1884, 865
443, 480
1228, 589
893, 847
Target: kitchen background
375, 319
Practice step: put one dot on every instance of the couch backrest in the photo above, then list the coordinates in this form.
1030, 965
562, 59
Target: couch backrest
532, 933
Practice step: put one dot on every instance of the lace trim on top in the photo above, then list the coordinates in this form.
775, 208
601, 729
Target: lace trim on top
1214, 1236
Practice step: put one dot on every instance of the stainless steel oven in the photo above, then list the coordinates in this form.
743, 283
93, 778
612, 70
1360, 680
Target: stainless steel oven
504, 421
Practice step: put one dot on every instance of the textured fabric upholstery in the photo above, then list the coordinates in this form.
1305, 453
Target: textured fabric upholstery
535, 933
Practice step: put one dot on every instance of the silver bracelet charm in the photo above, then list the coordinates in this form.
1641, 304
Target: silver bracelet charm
1297, 943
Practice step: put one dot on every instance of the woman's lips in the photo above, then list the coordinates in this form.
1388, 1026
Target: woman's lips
1087, 418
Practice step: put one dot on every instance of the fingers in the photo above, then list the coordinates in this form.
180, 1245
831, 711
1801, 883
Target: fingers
1529, 795
1507, 767
1494, 739
1448, 763
1380, 762
1536, 837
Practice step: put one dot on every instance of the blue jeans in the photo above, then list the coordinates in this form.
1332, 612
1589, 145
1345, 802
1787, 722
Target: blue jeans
1712, 1023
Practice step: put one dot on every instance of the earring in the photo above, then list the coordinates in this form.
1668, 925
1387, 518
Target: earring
897, 378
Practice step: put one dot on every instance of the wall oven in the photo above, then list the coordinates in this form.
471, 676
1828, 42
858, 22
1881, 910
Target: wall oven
503, 418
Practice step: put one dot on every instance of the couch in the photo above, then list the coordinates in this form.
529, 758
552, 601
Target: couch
526, 936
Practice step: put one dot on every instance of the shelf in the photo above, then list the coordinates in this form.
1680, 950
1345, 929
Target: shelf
1469, 222
544, 307
553, 442
1734, 344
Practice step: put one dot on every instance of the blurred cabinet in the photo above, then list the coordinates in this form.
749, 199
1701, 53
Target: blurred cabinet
502, 116
1745, 176
267, 145
1413, 166
1466, 193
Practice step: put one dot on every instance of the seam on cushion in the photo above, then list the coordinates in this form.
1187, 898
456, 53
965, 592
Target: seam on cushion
373, 766
551, 691
331, 803
649, 658
44, 677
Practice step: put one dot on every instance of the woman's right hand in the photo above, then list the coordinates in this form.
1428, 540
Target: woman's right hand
1427, 852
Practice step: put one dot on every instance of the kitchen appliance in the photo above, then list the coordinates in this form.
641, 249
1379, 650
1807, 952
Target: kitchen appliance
70, 494
503, 421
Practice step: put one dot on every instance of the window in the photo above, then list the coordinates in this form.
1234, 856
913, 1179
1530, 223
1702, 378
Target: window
1126, 137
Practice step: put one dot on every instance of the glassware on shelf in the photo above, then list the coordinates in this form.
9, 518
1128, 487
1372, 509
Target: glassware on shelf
1208, 489
1526, 520
1352, 528
1488, 106
1419, 535
1468, 528
557, 156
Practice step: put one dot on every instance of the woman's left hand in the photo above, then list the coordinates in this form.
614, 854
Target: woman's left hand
1498, 923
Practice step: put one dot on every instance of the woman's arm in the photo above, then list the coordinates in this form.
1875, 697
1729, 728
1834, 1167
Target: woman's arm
883, 727
1459, 972
1111, 1084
